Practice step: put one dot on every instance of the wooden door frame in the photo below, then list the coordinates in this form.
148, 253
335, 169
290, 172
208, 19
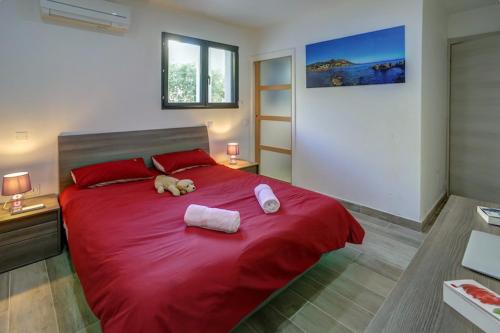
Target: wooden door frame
268, 56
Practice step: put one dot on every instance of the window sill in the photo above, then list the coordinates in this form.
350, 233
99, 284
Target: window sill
197, 106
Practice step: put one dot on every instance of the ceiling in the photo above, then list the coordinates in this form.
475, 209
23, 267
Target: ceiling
247, 13
262, 13
454, 6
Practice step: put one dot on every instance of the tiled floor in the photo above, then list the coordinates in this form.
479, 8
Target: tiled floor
340, 294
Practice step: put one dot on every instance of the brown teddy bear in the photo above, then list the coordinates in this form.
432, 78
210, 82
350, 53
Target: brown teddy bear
174, 185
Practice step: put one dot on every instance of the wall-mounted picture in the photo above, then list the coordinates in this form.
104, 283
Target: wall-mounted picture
376, 57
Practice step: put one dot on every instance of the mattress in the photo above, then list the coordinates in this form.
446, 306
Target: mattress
143, 270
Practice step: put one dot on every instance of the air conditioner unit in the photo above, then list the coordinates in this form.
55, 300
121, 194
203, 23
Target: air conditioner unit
91, 13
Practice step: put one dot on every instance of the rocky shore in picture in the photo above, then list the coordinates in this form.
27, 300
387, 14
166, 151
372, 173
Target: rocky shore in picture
335, 75
389, 65
327, 65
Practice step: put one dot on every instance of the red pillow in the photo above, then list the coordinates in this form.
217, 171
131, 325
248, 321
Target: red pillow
176, 162
111, 172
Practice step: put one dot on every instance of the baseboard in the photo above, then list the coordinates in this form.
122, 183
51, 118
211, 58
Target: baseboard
434, 212
415, 225
381, 215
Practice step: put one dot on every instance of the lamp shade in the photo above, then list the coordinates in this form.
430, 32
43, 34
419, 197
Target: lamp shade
16, 183
233, 148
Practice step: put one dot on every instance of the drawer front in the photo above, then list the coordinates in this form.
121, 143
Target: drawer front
28, 251
34, 231
26, 222
251, 169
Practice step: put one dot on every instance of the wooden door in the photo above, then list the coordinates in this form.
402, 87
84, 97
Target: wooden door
273, 117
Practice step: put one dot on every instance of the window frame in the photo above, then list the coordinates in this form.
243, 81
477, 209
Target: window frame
204, 68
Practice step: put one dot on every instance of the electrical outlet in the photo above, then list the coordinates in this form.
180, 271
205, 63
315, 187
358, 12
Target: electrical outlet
21, 136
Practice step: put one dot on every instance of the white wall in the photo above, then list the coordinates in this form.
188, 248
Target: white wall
360, 144
434, 105
474, 22
57, 79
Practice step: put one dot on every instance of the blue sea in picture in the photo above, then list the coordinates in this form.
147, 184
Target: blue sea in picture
376, 57
358, 74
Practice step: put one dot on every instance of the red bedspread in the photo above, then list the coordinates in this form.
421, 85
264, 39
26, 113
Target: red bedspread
142, 270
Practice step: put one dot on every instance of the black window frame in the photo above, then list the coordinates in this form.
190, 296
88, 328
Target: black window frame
204, 98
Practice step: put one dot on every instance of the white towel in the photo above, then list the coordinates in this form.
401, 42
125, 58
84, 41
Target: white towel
267, 199
212, 218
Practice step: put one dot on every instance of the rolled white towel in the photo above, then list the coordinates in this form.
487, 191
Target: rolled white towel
212, 218
267, 199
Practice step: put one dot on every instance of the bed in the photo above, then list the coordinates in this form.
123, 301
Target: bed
143, 270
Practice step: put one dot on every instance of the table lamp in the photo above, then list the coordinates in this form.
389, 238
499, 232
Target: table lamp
233, 150
15, 184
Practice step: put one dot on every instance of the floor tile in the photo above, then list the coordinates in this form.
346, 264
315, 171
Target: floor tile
73, 313
94, 328
4, 292
288, 302
335, 305
355, 292
268, 319
31, 303
313, 320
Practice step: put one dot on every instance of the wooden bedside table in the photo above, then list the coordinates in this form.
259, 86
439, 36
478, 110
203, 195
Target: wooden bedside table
252, 167
32, 236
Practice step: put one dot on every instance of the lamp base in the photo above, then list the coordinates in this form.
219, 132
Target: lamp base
232, 160
16, 205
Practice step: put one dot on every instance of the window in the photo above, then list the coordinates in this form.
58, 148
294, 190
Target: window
198, 74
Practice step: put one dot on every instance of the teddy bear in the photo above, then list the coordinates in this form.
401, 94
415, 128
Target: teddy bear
174, 185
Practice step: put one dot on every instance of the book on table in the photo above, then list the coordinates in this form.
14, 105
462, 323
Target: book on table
476, 303
490, 215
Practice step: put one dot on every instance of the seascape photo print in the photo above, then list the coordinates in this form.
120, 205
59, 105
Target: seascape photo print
376, 57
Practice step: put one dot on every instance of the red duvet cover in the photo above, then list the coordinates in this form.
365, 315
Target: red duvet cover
143, 270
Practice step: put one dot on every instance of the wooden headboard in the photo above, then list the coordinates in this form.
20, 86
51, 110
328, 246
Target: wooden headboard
76, 150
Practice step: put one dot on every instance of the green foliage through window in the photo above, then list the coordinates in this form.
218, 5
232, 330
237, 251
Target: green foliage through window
217, 87
182, 83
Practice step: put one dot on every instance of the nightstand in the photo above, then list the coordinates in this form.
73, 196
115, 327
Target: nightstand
252, 167
32, 236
